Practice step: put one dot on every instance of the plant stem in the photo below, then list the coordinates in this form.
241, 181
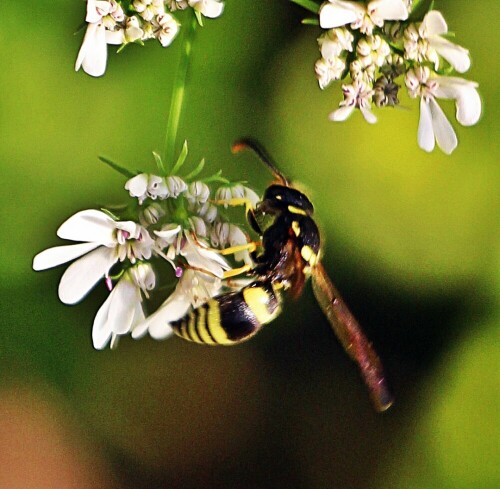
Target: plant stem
178, 91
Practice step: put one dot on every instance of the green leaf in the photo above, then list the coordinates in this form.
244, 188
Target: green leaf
199, 17
420, 8
181, 159
196, 171
159, 162
117, 167
308, 5
216, 177
310, 21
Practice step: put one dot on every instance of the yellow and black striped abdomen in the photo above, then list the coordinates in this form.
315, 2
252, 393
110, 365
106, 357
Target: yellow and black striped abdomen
230, 318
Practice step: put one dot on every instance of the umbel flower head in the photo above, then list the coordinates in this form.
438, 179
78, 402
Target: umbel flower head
122, 22
170, 219
377, 47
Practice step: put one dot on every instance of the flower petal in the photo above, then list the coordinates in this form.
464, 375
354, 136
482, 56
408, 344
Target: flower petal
388, 9
425, 130
93, 52
433, 24
175, 307
123, 307
84, 273
337, 13
168, 232
369, 116
342, 113
456, 55
443, 130
101, 332
52, 257
89, 225
467, 99
115, 37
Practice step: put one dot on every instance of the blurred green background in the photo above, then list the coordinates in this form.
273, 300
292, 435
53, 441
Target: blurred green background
412, 241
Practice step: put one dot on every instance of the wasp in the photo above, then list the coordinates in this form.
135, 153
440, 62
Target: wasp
287, 255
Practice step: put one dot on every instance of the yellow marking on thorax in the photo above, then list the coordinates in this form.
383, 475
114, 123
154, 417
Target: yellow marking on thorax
308, 254
214, 324
258, 300
297, 210
296, 228
202, 327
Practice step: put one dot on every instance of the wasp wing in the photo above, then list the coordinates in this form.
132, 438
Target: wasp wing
349, 332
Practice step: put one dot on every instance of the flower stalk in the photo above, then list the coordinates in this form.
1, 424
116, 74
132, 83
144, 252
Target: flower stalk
178, 92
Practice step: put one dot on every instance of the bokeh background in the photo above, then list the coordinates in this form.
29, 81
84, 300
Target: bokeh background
412, 241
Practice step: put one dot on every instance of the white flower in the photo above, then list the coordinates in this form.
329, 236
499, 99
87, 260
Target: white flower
328, 70
425, 43
200, 257
334, 42
143, 186
169, 28
122, 310
357, 95
198, 192
174, 5
433, 125
105, 242
148, 9
193, 289
175, 185
337, 13
92, 56
208, 8
372, 50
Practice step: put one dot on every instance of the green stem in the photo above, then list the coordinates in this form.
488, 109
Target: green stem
178, 91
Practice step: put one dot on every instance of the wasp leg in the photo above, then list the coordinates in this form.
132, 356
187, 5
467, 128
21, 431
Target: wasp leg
251, 247
235, 203
237, 271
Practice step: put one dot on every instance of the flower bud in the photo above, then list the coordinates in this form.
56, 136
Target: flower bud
153, 213
198, 226
175, 186
219, 234
198, 192
143, 276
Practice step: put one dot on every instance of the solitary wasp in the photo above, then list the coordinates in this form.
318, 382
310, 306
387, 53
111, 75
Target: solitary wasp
287, 255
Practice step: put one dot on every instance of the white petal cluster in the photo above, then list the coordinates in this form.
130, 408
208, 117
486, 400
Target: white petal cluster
375, 43
171, 221
122, 22
434, 126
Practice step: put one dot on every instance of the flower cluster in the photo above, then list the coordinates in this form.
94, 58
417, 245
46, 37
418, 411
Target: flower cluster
122, 22
171, 220
378, 46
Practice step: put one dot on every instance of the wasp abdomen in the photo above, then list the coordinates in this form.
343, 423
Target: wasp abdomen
230, 318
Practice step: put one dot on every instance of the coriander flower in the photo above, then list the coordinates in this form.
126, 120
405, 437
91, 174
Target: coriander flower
425, 43
105, 242
433, 125
337, 13
167, 30
148, 9
357, 95
145, 186
93, 53
328, 70
334, 42
122, 310
208, 8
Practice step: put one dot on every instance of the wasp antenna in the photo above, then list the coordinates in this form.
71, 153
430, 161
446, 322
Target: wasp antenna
248, 143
